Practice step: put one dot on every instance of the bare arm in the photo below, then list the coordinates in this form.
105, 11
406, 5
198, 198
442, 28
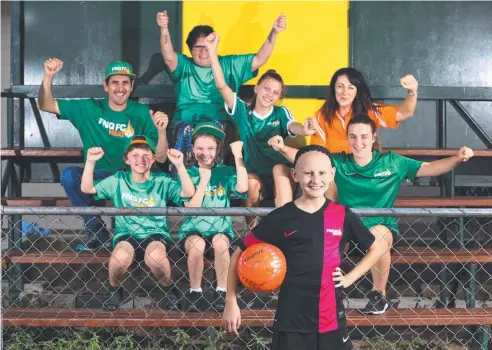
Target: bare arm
232, 313
187, 186
46, 101
296, 128
161, 120
197, 199
277, 143
162, 147
87, 182
266, 49
211, 42
407, 107
242, 174
377, 249
167, 50
308, 129
442, 166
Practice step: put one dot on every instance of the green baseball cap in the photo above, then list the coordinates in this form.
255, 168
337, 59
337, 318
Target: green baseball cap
208, 128
140, 140
120, 68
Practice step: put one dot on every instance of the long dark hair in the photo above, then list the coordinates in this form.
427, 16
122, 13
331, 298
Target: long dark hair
363, 118
271, 73
362, 103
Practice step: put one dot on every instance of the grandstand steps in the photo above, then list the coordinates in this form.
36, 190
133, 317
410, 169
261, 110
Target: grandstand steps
252, 318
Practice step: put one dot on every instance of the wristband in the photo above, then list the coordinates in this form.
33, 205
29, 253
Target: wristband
413, 93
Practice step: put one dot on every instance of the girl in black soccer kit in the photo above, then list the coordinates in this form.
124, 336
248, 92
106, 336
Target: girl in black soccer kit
311, 232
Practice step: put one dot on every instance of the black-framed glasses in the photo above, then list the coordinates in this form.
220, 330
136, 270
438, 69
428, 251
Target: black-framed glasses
198, 47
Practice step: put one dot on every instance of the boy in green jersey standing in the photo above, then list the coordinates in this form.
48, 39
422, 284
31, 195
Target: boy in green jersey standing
138, 237
107, 123
215, 183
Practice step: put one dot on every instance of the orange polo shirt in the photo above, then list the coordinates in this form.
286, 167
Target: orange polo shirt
334, 137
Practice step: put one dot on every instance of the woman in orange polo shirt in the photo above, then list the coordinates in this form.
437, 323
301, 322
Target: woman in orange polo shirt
348, 95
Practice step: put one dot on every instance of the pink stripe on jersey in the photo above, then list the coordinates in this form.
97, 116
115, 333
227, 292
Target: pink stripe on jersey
334, 217
251, 239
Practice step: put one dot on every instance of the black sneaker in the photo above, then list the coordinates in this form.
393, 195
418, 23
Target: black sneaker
219, 302
170, 301
377, 304
113, 299
98, 241
195, 301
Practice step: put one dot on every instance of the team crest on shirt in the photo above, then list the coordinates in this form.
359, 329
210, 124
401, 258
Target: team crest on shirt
212, 191
274, 123
385, 173
116, 129
334, 232
139, 202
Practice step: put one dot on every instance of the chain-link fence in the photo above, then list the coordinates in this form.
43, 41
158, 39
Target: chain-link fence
53, 297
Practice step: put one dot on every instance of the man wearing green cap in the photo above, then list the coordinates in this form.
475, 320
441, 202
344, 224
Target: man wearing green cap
108, 123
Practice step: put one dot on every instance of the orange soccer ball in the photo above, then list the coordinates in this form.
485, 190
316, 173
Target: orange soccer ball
261, 268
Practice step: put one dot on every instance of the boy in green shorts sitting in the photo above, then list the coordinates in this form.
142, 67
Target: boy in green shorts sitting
214, 184
139, 237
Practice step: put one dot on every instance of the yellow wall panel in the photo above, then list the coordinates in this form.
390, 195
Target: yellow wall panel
313, 46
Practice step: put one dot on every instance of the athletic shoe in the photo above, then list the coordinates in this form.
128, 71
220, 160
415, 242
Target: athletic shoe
377, 304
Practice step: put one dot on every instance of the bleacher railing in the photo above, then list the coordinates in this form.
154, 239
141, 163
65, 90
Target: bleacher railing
440, 285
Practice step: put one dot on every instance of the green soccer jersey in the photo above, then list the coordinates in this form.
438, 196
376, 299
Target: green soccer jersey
221, 186
126, 193
195, 87
255, 131
375, 185
100, 126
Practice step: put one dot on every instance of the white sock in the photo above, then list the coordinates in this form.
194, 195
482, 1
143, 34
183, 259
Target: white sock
199, 290
221, 289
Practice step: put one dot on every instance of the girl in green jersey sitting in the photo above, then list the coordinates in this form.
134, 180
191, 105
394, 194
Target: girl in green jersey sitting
215, 183
269, 175
370, 179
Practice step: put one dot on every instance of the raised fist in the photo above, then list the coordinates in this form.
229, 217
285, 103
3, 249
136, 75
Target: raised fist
310, 126
280, 23
163, 19
465, 153
237, 149
175, 157
212, 41
94, 154
160, 119
52, 66
277, 143
410, 83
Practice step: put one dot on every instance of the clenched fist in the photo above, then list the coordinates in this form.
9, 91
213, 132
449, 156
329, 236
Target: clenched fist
160, 119
52, 66
211, 42
410, 83
163, 19
280, 23
237, 149
277, 143
94, 154
465, 153
175, 157
310, 126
